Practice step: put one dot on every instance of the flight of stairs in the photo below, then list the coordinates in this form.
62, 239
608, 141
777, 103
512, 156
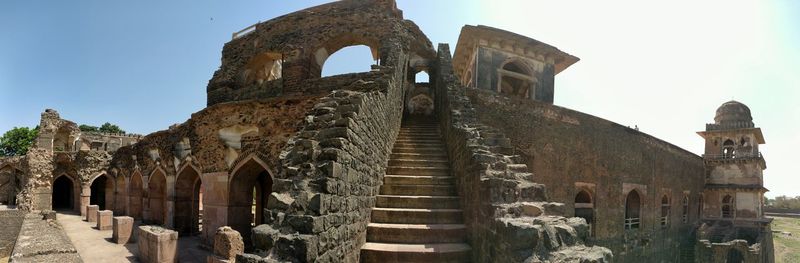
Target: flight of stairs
417, 216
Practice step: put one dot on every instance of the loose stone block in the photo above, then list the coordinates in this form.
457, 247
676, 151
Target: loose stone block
104, 219
122, 227
91, 213
157, 244
48, 214
227, 244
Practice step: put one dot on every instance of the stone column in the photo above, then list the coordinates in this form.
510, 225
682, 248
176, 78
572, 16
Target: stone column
122, 227
86, 192
145, 200
157, 244
169, 214
104, 219
91, 213
215, 204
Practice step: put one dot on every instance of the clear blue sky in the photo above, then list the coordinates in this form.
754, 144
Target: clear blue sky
663, 66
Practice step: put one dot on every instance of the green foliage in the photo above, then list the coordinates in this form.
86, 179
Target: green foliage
106, 127
88, 128
17, 141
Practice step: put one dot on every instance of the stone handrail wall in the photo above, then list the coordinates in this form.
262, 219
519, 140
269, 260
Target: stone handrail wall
507, 215
332, 170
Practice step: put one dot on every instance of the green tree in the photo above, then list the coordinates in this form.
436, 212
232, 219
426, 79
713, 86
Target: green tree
17, 141
108, 127
88, 128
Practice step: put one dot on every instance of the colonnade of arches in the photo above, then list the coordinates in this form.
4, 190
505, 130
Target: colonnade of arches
148, 198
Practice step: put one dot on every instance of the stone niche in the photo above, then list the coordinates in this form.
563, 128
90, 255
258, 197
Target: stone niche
157, 244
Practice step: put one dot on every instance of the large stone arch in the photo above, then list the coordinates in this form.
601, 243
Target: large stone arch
136, 195
188, 203
157, 197
250, 181
102, 191
66, 191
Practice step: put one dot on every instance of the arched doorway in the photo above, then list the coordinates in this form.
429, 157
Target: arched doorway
63, 193
136, 193
665, 211
250, 187
584, 208
734, 256
157, 191
102, 192
121, 195
632, 209
187, 201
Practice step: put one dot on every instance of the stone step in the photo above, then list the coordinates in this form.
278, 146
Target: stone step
417, 216
434, 150
418, 161
418, 179
418, 170
420, 130
418, 201
424, 156
427, 140
391, 253
419, 189
416, 233
438, 146
419, 135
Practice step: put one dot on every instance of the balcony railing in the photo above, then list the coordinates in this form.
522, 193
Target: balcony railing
664, 220
631, 223
733, 156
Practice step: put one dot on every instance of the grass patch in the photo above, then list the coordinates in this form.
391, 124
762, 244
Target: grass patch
787, 248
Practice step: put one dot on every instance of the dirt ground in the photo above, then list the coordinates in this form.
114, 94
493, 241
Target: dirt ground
787, 247
10, 222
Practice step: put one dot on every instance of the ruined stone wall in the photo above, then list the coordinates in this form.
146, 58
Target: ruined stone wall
507, 214
303, 40
571, 151
36, 185
11, 174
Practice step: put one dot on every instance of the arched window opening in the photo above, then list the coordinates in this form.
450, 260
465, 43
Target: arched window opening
136, 193
120, 194
9, 185
727, 206
632, 209
585, 209
728, 149
102, 192
515, 80
250, 187
63, 193
262, 68
422, 77
61, 140
665, 211
157, 190
351, 59
187, 202
685, 211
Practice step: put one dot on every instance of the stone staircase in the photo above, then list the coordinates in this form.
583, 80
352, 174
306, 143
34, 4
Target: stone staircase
417, 216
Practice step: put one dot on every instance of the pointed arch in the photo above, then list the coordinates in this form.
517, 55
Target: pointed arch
136, 194
665, 211
633, 206
685, 209
102, 191
249, 187
157, 191
64, 193
727, 206
188, 185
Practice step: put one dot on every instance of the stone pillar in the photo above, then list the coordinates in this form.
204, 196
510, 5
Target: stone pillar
91, 213
227, 244
157, 244
145, 200
169, 213
86, 192
122, 228
104, 219
215, 204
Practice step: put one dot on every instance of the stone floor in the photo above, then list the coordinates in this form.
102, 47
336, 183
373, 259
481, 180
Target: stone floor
43, 241
95, 246
10, 222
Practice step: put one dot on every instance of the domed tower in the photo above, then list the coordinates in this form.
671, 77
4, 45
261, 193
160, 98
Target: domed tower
734, 166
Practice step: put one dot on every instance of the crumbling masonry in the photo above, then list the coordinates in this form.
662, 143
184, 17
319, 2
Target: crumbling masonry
476, 165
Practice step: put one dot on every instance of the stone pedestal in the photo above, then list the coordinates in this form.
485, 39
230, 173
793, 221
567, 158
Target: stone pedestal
157, 244
91, 213
227, 244
122, 227
104, 219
